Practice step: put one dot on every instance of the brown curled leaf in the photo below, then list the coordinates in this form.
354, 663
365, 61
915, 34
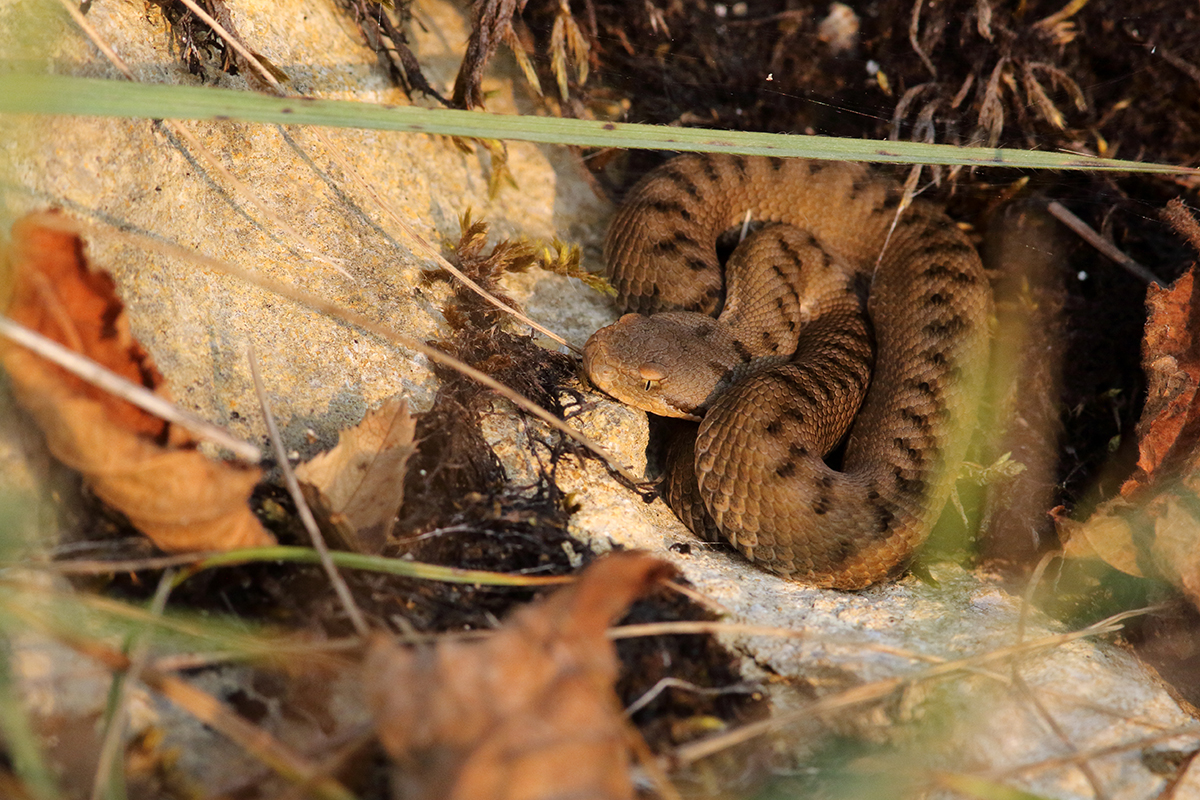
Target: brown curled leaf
357, 488
1169, 430
528, 713
133, 461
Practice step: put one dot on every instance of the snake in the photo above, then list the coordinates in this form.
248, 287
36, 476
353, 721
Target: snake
833, 363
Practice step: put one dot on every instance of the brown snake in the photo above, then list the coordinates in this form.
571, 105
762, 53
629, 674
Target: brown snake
778, 377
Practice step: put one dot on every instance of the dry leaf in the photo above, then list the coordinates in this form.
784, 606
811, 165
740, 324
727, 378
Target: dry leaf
1168, 433
133, 461
528, 713
357, 488
1153, 528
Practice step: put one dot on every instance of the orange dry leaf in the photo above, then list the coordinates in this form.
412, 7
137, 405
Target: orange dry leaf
526, 714
357, 488
1153, 528
135, 462
1168, 433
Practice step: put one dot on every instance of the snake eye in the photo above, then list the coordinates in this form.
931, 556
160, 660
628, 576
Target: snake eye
652, 374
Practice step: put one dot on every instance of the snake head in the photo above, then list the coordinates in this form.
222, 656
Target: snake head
667, 364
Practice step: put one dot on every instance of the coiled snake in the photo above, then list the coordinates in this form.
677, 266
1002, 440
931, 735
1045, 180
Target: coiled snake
777, 378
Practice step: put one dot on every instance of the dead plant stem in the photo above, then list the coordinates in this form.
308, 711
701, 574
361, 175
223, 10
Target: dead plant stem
302, 509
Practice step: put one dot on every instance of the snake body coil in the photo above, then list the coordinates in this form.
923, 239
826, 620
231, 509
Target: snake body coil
779, 376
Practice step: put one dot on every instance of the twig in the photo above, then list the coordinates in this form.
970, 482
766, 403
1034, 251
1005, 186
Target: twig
1094, 753
1089, 235
97, 375
305, 513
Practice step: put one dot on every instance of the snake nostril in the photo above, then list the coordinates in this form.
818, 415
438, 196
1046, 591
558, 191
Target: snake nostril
602, 375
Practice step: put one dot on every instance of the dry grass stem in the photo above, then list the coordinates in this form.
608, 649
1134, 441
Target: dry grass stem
423, 247
715, 628
877, 690
675, 683
1059, 732
914, 30
1062, 15
699, 598
427, 250
233, 42
302, 509
1107, 248
101, 567
312, 652
103, 378
1094, 753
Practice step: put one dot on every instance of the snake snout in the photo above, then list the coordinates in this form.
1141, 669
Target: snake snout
597, 361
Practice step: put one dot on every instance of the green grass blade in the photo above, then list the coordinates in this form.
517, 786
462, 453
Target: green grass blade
56, 94
391, 566
26, 604
20, 741
984, 789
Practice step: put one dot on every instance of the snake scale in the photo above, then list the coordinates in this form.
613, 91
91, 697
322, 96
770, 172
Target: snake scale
776, 379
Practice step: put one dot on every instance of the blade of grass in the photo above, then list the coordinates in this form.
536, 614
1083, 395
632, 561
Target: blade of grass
24, 600
20, 742
391, 566
984, 789
109, 780
57, 94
